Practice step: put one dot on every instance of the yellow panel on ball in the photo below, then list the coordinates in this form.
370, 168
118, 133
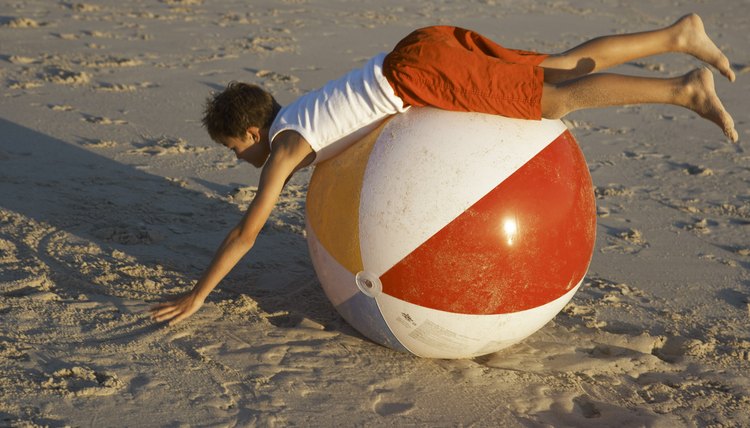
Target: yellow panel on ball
333, 201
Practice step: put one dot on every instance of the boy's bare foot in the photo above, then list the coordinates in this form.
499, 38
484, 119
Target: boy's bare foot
692, 39
701, 98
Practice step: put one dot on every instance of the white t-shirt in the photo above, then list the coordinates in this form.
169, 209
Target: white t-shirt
341, 112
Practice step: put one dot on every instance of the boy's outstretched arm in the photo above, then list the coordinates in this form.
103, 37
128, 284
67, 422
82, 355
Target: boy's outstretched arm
290, 153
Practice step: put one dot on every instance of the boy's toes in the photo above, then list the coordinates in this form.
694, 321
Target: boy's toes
726, 69
733, 135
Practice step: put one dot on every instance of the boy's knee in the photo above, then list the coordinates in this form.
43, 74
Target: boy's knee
554, 104
562, 67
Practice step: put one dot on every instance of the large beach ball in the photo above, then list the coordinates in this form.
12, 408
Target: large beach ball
452, 235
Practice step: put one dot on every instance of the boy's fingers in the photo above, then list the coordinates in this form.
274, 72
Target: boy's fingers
165, 314
169, 311
159, 306
179, 318
155, 312
165, 317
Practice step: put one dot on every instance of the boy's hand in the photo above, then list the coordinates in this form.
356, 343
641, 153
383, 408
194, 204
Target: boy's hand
290, 153
176, 310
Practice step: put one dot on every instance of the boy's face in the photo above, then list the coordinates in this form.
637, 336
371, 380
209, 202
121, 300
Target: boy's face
250, 147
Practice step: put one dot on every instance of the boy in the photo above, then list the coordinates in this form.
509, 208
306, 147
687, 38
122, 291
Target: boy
444, 67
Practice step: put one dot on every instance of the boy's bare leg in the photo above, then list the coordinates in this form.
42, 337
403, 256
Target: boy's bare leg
694, 90
686, 35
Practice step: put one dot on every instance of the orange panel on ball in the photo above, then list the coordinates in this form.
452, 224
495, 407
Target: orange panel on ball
524, 244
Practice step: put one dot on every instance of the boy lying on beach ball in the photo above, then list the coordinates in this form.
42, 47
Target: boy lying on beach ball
448, 68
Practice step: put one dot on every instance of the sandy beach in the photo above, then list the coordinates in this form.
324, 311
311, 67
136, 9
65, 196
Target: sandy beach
113, 197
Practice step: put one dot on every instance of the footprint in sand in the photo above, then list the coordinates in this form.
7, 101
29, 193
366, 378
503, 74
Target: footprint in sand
673, 349
697, 170
126, 234
699, 226
276, 77
111, 62
98, 144
667, 392
612, 190
387, 402
271, 79
23, 275
278, 41
20, 22
166, 146
721, 260
80, 381
385, 407
627, 241
649, 66
100, 120
123, 87
587, 408
64, 76
60, 107
22, 60
116, 87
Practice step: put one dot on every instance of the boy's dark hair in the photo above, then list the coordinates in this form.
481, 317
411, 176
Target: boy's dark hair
239, 106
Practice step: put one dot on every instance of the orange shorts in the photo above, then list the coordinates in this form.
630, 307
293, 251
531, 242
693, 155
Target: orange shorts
456, 69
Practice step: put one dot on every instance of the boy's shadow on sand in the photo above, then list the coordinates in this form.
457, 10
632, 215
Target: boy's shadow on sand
159, 226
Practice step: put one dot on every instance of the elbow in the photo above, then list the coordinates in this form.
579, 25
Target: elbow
247, 240
245, 237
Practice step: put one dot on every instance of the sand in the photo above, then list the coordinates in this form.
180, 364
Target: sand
112, 197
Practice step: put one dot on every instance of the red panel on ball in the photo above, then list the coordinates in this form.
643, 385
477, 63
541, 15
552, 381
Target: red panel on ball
526, 243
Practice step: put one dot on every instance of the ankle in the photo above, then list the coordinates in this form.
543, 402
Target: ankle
690, 89
683, 32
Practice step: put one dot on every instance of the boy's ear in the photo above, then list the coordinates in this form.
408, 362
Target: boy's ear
253, 133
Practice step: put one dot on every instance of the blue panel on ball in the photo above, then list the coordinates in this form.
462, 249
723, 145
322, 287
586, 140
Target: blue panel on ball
363, 314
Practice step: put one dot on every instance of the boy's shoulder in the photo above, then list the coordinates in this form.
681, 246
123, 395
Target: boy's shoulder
291, 144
